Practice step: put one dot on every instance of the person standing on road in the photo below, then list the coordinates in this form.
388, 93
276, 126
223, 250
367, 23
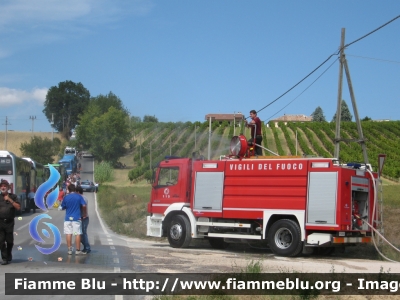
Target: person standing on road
64, 186
73, 203
255, 125
85, 224
8, 204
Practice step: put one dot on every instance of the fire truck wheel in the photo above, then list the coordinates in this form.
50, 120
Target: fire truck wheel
284, 238
179, 232
218, 243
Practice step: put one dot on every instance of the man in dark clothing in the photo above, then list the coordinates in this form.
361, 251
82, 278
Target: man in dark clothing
85, 224
8, 204
255, 125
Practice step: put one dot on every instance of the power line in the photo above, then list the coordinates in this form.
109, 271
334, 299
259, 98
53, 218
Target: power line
297, 83
375, 30
336, 53
304, 89
372, 58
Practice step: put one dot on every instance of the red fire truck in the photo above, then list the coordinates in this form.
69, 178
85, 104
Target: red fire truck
295, 204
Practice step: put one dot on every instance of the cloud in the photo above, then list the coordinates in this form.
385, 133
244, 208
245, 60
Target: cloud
22, 12
27, 23
11, 97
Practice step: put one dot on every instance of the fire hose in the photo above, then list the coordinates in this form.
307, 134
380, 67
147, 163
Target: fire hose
373, 229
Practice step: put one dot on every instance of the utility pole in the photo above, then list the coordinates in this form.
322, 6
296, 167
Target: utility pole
209, 141
361, 140
5, 137
150, 155
339, 98
52, 128
356, 116
33, 119
195, 137
234, 123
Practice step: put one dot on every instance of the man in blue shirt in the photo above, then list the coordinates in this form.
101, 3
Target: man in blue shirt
73, 203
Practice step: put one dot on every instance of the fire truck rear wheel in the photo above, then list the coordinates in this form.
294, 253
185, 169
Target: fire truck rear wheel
218, 243
179, 232
284, 238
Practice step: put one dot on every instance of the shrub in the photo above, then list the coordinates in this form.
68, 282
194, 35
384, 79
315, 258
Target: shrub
104, 172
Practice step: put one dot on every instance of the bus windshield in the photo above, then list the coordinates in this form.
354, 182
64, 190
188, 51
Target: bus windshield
65, 164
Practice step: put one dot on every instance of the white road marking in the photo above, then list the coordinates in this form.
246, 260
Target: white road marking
23, 226
116, 260
98, 215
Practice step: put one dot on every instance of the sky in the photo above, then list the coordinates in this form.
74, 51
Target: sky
181, 60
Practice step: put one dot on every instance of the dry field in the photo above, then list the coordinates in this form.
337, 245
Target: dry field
16, 138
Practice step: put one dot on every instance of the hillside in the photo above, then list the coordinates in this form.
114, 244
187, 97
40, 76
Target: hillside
153, 141
16, 138
180, 139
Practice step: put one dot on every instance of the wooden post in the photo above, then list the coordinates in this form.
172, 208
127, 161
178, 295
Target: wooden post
339, 98
353, 101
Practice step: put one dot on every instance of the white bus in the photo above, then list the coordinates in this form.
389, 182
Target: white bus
38, 175
17, 172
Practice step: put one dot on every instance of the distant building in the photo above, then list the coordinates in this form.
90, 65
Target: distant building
292, 118
238, 117
381, 120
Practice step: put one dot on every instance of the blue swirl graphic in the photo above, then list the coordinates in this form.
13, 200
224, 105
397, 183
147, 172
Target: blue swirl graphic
35, 235
52, 197
47, 186
39, 201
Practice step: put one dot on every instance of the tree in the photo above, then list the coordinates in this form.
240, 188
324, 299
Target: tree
41, 150
148, 118
84, 130
345, 113
135, 119
104, 102
318, 115
367, 119
105, 134
65, 102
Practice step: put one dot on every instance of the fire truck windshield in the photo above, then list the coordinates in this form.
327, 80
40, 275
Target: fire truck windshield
168, 176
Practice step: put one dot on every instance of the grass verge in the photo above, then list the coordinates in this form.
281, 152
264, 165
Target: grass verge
124, 208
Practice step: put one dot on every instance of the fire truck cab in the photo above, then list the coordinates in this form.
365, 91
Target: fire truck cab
294, 204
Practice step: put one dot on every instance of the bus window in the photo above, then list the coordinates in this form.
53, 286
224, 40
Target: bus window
6, 166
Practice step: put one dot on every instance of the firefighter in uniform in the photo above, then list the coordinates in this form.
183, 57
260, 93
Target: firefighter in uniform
8, 204
255, 125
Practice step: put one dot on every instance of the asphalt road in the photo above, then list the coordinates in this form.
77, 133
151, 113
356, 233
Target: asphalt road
112, 253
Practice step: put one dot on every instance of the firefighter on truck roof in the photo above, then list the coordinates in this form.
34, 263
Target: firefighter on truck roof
255, 125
